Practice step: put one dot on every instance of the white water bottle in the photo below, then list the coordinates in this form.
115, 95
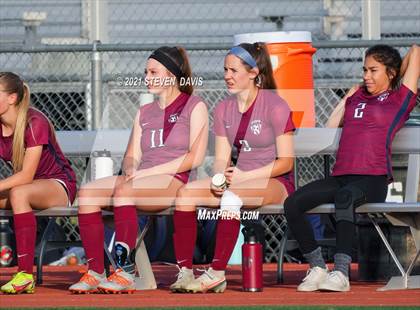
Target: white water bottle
219, 181
102, 165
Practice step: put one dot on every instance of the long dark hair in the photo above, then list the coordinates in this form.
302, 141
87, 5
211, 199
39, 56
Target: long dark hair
179, 56
390, 58
258, 51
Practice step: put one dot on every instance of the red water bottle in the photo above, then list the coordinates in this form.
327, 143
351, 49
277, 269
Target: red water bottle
252, 262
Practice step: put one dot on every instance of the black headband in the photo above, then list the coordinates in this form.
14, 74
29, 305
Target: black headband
167, 62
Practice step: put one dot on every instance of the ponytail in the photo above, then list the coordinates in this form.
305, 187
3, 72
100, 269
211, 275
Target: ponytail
259, 52
18, 146
186, 72
14, 85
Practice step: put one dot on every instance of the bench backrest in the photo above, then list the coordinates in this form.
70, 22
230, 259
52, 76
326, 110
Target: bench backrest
308, 141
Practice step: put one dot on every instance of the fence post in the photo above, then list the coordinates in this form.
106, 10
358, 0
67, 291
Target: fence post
371, 20
96, 82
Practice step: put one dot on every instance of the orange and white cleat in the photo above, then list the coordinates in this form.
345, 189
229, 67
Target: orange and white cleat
88, 284
120, 282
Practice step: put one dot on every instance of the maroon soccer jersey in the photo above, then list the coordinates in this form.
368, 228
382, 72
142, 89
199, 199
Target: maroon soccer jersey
369, 126
166, 132
53, 164
254, 132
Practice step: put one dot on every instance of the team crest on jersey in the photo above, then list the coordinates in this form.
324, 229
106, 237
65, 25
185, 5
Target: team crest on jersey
173, 118
256, 127
383, 97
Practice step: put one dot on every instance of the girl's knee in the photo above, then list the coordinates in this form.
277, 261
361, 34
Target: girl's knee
184, 200
120, 192
86, 209
291, 210
17, 195
123, 195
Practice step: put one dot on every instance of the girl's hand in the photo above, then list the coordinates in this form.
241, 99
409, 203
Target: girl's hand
135, 175
217, 191
129, 173
234, 175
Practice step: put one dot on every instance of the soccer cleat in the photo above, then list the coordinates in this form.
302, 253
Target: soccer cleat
88, 283
211, 280
336, 281
119, 282
314, 277
21, 282
184, 277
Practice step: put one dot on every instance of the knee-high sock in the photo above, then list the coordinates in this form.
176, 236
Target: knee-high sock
126, 225
185, 234
227, 230
25, 232
226, 236
91, 229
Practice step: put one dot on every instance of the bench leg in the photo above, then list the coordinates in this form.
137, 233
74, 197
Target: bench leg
280, 258
109, 260
146, 279
405, 281
387, 245
401, 283
43, 249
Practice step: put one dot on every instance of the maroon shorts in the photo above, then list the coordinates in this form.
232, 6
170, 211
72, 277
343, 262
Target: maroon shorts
70, 188
185, 176
288, 184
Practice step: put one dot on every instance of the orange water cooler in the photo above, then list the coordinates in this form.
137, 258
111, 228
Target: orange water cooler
291, 58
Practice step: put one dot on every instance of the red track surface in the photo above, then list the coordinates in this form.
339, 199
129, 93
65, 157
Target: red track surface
53, 293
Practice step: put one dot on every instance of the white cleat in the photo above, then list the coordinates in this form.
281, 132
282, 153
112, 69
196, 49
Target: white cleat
314, 277
336, 281
185, 276
211, 280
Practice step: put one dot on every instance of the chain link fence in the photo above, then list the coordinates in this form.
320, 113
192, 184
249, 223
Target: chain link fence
60, 79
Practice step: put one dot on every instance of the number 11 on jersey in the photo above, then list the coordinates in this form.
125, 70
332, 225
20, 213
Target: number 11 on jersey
152, 138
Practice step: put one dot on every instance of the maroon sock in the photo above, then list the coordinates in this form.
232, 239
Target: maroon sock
25, 232
91, 229
126, 225
185, 234
226, 236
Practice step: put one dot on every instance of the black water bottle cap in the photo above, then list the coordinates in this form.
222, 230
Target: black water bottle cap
249, 235
252, 239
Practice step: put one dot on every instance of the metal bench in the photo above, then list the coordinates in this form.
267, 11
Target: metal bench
308, 141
